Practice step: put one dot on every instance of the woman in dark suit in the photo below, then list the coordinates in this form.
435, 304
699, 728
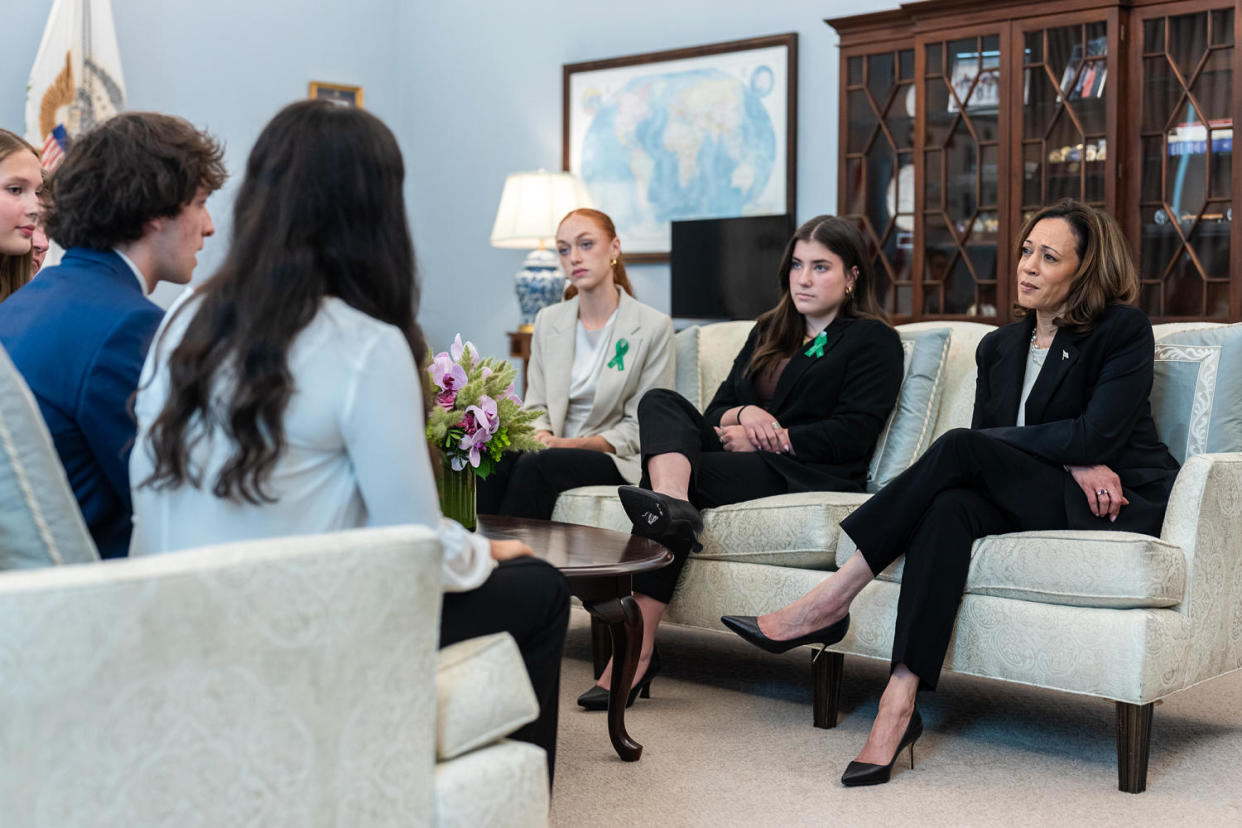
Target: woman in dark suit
801, 410
1062, 438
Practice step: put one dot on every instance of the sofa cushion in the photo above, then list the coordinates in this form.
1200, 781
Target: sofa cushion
40, 522
1119, 570
482, 694
502, 784
908, 432
797, 530
705, 356
1196, 397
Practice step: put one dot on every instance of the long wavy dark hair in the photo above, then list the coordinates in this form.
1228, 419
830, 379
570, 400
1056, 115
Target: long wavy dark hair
320, 213
781, 329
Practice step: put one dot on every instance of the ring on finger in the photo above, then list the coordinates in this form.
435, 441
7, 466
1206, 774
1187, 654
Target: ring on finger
775, 425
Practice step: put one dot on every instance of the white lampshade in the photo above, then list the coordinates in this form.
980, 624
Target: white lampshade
533, 204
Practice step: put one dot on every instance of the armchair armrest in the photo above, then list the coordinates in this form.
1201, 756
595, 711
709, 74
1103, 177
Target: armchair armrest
482, 694
1204, 518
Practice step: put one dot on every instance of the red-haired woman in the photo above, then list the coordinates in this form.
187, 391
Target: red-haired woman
592, 358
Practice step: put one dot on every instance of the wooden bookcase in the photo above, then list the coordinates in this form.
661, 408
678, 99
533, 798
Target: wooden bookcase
958, 119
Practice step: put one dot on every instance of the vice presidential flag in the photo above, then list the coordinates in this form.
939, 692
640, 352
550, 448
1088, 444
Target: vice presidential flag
76, 79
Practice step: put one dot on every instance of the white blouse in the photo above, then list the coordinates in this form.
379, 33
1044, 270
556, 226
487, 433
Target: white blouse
1034, 362
589, 359
355, 449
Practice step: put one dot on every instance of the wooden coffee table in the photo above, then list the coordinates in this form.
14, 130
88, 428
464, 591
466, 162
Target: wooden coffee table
599, 565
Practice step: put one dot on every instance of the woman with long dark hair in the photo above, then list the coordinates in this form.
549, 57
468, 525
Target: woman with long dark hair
800, 411
1062, 438
21, 181
282, 397
592, 358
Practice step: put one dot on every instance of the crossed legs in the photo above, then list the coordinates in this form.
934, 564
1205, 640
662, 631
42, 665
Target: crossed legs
966, 486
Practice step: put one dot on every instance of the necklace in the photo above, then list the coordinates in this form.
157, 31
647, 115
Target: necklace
1034, 335
1036, 355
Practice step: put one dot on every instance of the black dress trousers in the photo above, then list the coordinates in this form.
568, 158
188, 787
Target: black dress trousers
669, 423
965, 486
527, 483
529, 599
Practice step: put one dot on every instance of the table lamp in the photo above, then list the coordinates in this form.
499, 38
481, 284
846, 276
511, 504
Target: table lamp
531, 207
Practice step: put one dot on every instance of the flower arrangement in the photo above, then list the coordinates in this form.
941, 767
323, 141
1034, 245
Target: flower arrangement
476, 416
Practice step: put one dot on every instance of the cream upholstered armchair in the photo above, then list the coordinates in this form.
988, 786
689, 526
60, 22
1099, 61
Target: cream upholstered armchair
1123, 617
289, 681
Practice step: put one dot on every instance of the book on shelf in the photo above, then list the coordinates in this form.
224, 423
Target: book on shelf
1191, 138
1084, 77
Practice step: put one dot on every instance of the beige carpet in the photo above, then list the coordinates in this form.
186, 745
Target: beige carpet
728, 741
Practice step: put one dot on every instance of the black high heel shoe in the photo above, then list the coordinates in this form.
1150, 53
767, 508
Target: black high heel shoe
597, 697
865, 773
656, 515
747, 626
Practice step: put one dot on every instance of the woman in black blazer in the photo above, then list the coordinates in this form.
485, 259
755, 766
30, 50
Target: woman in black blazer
800, 411
1062, 438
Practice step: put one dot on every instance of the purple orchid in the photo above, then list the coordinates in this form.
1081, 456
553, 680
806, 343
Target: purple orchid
449, 377
480, 423
457, 349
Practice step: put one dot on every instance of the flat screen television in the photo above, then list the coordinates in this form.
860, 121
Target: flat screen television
726, 268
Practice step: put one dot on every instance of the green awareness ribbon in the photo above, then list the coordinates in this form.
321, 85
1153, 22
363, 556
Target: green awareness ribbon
618, 361
817, 347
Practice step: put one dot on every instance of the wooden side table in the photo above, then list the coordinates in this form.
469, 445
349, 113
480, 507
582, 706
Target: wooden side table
519, 348
599, 565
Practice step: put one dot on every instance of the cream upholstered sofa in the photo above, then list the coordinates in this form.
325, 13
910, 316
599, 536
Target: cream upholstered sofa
281, 682
1115, 615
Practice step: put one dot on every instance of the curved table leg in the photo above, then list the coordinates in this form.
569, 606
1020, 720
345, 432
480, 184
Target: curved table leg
625, 623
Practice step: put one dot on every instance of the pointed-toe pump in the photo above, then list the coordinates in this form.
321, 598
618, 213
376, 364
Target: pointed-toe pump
596, 698
865, 773
747, 626
656, 515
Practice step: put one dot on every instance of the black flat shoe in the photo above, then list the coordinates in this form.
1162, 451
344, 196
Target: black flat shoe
597, 697
747, 626
865, 773
656, 515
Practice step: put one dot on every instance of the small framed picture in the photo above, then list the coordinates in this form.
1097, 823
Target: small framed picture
337, 93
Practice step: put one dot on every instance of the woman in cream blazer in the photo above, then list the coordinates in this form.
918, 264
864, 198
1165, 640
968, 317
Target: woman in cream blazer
592, 358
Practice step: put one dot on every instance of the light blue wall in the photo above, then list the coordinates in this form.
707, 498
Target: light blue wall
485, 101
472, 90
226, 66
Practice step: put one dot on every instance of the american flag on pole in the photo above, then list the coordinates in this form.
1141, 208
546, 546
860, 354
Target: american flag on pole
76, 79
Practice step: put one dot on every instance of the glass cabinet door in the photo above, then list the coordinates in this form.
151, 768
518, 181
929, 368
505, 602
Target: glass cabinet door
1065, 91
878, 186
1185, 163
961, 148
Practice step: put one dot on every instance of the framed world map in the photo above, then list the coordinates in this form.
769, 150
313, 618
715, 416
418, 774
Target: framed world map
703, 132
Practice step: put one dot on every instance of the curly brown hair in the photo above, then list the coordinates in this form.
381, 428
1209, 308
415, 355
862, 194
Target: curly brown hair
1106, 272
134, 167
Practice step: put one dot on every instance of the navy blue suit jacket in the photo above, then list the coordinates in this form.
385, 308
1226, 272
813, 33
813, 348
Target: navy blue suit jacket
79, 333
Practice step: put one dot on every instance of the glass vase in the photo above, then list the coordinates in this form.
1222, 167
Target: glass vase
457, 495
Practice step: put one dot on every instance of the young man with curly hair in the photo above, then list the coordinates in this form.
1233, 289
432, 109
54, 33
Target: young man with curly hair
129, 205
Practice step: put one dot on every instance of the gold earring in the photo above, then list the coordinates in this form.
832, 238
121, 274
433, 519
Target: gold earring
849, 291
613, 263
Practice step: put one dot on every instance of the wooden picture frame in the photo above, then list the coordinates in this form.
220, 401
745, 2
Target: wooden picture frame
336, 92
724, 143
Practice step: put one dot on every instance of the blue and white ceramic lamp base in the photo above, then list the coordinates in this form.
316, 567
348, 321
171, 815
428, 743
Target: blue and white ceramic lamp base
539, 283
